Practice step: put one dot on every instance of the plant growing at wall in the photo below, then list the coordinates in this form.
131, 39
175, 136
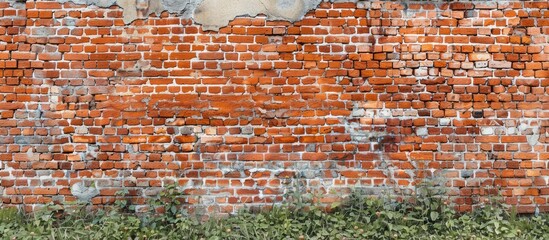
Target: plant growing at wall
359, 217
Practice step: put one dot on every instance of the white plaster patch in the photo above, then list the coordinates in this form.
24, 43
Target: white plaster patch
81, 130
84, 193
422, 131
358, 113
385, 113
487, 131
32, 155
444, 121
212, 14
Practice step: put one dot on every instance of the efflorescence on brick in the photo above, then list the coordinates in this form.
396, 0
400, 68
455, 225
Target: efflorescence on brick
369, 95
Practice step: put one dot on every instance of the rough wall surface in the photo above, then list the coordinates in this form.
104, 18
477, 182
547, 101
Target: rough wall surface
370, 95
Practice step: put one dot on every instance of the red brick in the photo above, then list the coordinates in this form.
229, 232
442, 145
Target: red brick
285, 139
23, 55
185, 139
159, 139
134, 139
479, 56
84, 139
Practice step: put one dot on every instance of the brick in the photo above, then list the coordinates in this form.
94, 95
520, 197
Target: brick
49, 56
159, 139
103, 56
84, 139
73, 74
11, 105
479, 57
499, 64
251, 157
45, 191
185, 139
211, 56
48, 5
75, 56
482, 40
23, 55
134, 139
461, 6
182, 56
380, 81
127, 56
285, 139
100, 22
421, 156
236, 140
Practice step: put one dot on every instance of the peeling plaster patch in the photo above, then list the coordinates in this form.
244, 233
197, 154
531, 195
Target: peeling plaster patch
12, 2
355, 128
533, 139
310, 174
32, 155
422, 131
358, 113
385, 113
487, 130
185, 8
91, 153
83, 193
99, 3
445, 121
213, 14
141, 9
528, 128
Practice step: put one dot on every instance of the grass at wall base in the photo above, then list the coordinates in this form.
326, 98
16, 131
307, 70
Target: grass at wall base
422, 216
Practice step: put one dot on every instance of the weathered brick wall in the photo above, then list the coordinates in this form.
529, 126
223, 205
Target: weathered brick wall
373, 95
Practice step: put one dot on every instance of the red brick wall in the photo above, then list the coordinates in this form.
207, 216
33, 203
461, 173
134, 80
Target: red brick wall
375, 96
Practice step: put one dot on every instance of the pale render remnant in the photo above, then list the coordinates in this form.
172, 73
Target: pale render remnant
140, 9
84, 193
211, 14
